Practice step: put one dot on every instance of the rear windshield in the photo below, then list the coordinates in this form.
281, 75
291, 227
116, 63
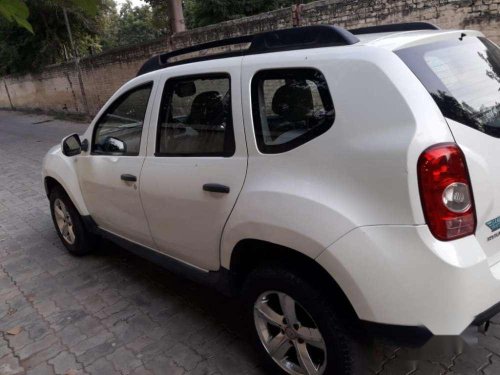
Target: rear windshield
463, 77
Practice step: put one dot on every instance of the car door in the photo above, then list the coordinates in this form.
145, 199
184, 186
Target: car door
109, 173
196, 162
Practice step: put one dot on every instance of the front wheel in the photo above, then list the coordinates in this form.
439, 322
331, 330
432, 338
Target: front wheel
69, 224
295, 327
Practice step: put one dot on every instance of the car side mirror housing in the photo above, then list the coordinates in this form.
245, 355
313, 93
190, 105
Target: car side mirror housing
85, 145
71, 145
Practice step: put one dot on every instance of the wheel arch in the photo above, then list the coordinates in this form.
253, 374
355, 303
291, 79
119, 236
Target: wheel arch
50, 183
60, 170
249, 254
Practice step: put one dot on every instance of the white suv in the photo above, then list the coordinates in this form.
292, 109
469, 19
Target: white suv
334, 178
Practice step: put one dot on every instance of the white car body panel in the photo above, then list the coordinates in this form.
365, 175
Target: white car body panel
106, 196
330, 179
402, 275
396, 41
63, 170
187, 222
481, 151
348, 199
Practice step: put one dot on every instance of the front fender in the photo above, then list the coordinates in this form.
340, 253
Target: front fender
63, 169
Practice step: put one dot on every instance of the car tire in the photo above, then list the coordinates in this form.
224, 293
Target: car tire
266, 288
69, 224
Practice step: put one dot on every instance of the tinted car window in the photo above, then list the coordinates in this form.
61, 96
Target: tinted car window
195, 118
290, 107
463, 77
119, 130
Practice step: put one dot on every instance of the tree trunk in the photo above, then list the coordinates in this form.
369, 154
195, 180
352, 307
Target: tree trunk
176, 15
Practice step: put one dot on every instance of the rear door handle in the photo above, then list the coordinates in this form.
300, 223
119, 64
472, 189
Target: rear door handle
128, 177
216, 188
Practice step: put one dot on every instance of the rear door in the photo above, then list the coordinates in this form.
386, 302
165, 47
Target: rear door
463, 76
196, 161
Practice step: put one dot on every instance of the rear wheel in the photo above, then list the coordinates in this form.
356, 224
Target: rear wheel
295, 327
69, 224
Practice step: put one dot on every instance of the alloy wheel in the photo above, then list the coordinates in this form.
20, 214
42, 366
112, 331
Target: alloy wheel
289, 334
64, 222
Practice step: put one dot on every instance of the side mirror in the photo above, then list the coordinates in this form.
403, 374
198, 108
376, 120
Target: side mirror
114, 145
85, 145
71, 145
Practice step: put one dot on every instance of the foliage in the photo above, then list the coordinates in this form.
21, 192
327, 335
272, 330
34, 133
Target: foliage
199, 13
160, 14
90, 7
130, 25
17, 11
97, 25
22, 51
206, 12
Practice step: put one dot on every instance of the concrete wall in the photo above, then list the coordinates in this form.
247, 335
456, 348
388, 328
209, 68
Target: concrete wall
58, 88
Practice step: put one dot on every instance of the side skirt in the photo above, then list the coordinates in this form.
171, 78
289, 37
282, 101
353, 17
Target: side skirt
222, 280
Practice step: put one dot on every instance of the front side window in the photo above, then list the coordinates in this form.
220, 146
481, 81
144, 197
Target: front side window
463, 77
119, 130
290, 107
195, 117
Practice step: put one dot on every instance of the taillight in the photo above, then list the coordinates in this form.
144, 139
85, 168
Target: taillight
446, 193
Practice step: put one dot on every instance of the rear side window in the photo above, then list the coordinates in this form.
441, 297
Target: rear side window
290, 107
195, 117
463, 77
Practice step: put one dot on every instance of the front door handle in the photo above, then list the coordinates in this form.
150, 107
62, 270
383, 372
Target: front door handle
128, 177
216, 188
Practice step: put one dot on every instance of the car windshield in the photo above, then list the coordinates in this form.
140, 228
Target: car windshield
463, 77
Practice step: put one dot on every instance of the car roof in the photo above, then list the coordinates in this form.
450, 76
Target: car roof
397, 40
389, 37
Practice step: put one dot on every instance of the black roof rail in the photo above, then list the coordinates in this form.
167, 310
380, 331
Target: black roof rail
273, 41
408, 26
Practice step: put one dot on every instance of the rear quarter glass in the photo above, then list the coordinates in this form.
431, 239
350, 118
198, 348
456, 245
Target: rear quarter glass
463, 77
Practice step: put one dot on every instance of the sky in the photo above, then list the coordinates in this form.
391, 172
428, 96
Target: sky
135, 2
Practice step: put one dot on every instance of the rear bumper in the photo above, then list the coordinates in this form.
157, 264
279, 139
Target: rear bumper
417, 337
407, 336
485, 316
401, 277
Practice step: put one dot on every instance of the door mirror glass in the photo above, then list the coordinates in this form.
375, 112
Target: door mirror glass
114, 145
71, 145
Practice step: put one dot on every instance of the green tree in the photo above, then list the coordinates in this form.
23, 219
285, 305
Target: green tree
206, 12
199, 13
131, 25
22, 51
17, 11
160, 14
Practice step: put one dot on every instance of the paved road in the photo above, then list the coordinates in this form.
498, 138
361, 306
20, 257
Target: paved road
113, 313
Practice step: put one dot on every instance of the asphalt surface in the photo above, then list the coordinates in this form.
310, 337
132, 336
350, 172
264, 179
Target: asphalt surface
113, 313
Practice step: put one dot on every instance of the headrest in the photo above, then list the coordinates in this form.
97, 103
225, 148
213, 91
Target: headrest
293, 101
206, 108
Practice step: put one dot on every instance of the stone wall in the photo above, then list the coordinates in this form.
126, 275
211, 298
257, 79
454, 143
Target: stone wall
58, 88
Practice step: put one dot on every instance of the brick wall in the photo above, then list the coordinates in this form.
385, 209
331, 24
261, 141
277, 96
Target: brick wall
58, 88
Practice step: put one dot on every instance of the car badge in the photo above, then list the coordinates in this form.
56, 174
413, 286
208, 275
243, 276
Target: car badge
494, 224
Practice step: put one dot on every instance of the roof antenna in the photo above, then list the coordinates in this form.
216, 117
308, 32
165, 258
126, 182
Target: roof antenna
462, 36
